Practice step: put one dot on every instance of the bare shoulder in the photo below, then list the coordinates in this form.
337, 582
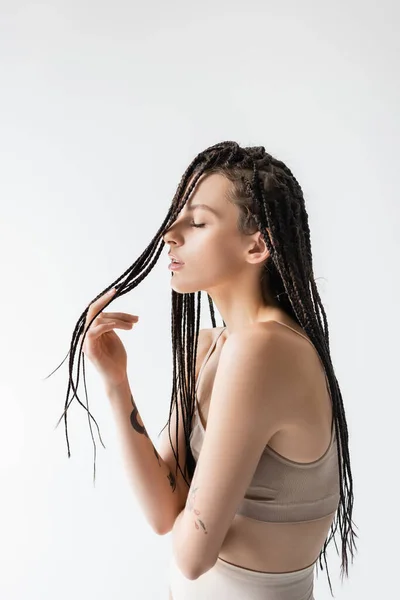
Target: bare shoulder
267, 356
294, 356
269, 341
211, 331
277, 332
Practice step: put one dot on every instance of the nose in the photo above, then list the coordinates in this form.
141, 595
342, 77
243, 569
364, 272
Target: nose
169, 233
166, 237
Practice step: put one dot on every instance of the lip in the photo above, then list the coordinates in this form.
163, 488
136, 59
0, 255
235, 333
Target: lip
171, 256
175, 266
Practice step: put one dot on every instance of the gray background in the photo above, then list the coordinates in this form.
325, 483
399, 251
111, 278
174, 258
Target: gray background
102, 107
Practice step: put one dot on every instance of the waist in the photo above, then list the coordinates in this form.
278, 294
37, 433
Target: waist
228, 581
289, 576
274, 547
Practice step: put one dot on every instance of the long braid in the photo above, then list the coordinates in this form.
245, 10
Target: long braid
274, 202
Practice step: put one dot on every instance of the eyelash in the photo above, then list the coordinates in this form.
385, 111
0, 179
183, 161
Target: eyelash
198, 225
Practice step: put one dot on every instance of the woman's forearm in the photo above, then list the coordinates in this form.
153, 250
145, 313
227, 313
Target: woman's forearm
153, 482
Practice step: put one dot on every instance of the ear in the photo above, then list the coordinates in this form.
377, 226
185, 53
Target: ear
259, 251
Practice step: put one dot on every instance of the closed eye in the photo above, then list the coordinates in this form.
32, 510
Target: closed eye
197, 225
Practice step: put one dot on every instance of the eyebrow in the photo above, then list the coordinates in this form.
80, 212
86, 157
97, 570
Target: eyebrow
205, 206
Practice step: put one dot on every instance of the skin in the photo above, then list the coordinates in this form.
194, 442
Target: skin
218, 258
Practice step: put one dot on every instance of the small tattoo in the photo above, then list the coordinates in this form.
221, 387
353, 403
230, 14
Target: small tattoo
140, 428
190, 507
172, 481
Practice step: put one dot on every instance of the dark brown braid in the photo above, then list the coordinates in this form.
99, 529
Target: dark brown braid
270, 200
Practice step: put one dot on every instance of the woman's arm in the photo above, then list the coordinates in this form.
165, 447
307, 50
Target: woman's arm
153, 482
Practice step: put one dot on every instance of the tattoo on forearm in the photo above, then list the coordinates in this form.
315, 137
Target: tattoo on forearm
190, 507
135, 421
140, 428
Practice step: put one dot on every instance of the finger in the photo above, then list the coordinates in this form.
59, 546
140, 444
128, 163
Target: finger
122, 316
101, 320
104, 327
100, 330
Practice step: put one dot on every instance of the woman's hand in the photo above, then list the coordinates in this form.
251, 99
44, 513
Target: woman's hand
102, 345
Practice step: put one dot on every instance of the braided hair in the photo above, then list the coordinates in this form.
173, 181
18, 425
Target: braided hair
270, 200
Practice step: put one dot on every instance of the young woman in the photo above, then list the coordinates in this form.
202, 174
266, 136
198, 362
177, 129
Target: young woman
263, 473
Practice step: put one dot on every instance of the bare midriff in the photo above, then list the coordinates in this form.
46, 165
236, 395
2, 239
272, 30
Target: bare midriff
274, 547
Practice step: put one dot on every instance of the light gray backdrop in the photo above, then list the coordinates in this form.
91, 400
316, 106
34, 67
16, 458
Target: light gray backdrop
102, 107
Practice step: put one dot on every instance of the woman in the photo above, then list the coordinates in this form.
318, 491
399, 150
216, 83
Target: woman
264, 471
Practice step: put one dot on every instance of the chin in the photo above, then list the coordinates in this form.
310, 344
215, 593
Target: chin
182, 287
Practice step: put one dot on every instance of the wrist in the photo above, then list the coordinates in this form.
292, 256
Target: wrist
119, 390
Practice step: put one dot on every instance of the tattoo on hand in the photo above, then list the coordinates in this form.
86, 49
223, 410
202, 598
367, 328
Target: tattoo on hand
140, 428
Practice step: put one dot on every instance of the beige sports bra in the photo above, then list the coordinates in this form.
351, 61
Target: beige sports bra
283, 490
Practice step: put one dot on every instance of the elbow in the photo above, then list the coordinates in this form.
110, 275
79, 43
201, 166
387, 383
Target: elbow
157, 525
194, 572
168, 523
161, 528
201, 570
165, 526
187, 571
192, 569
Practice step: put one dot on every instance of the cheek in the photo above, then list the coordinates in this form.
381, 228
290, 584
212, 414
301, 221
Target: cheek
224, 259
215, 253
228, 252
